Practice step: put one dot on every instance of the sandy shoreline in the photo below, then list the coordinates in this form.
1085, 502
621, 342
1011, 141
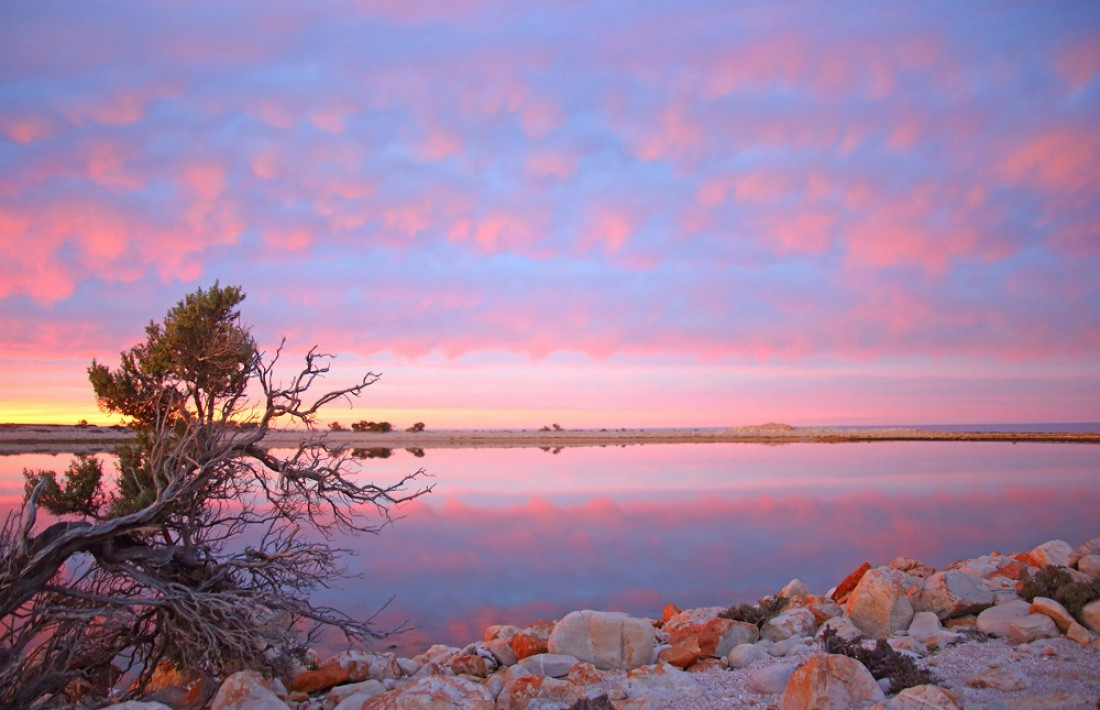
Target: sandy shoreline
49, 438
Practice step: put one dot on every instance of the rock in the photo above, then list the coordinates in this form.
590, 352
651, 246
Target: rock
353, 702
706, 665
692, 616
745, 655
844, 628
366, 688
247, 690
849, 583
1079, 633
434, 693
907, 644
408, 666
790, 622
927, 629
532, 639
824, 609
1090, 565
501, 650
952, 593
605, 639
683, 653
522, 690
1092, 547
1090, 616
343, 668
795, 589
1055, 553
995, 620
829, 681
878, 605
1062, 618
138, 705
669, 611
551, 664
499, 631
473, 665
714, 638
771, 680
597, 682
660, 684
924, 697
1000, 678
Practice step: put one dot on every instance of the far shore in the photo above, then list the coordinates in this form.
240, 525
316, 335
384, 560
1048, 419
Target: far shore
56, 438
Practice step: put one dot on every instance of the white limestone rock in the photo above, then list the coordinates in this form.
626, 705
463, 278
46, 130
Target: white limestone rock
952, 593
606, 639
1031, 628
878, 606
745, 655
771, 680
996, 619
790, 622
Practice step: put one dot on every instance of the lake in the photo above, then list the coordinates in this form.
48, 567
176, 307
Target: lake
514, 535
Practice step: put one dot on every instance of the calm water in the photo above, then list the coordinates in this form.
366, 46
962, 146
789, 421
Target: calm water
513, 535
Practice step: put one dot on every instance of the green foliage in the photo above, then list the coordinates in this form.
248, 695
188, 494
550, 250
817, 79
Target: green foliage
760, 613
882, 661
1058, 584
79, 495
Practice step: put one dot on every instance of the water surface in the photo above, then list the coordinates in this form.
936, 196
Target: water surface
513, 535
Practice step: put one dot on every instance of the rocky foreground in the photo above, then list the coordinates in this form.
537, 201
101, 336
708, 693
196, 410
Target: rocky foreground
902, 635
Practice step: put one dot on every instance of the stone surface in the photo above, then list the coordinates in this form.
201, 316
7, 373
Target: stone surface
605, 639
1090, 616
499, 631
365, 688
849, 583
1055, 553
824, 609
995, 620
745, 655
907, 644
1090, 565
138, 705
1000, 678
789, 622
830, 682
247, 690
682, 653
771, 680
434, 693
532, 639
1049, 607
795, 589
554, 665
924, 697
660, 684
1079, 633
952, 593
844, 628
878, 605
473, 665
523, 690
692, 616
501, 650
927, 629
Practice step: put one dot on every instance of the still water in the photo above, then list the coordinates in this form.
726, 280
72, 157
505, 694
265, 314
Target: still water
514, 535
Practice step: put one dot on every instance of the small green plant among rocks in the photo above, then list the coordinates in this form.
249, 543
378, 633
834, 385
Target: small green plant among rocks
882, 661
1057, 584
760, 613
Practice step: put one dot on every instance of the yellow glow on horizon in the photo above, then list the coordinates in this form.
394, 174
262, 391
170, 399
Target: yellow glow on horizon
52, 413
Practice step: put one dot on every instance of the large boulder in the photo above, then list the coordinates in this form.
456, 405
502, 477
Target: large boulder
522, 690
714, 638
434, 692
771, 680
247, 690
1062, 618
849, 583
658, 686
924, 697
830, 682
745, 655
1055, 553
996, 619
606, 639
952, 593
878, 606
1090, 565
1031, 628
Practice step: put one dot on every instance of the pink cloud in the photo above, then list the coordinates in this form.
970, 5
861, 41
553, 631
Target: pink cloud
26, 128
1059, 160
540, 117
1078, 62
550, 164
610, 227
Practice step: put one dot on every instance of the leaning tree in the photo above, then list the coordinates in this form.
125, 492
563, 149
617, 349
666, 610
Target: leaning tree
204, 550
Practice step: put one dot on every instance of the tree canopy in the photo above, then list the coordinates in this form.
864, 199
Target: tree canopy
206, 546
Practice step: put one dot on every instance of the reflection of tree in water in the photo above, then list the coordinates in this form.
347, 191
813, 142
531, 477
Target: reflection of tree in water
372, 453
418, 453
552, 449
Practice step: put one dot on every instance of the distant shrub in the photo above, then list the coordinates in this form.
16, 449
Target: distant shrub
1058, 584
760, 613
336, 426
82, 422
418, 427
374, 427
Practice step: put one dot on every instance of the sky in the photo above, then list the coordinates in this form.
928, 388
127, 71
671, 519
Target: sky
597, 214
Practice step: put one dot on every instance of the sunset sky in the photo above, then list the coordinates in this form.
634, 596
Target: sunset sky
600, 214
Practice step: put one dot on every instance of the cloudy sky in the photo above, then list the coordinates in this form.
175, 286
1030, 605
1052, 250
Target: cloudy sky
600, 214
